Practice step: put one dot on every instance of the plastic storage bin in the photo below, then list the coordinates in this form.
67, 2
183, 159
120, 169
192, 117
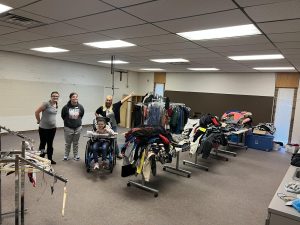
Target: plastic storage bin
260, 142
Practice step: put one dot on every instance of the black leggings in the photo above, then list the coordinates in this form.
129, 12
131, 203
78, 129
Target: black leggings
47, 137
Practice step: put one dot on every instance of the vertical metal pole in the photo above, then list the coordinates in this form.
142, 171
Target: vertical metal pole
22, 184
17, 187
177, 160
0, 183
112, 71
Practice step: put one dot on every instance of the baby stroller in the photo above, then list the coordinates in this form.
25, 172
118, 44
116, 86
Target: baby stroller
95, 137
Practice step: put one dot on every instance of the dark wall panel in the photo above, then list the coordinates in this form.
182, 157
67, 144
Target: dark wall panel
217, 104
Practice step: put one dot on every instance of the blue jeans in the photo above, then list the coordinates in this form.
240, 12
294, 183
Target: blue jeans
104, 145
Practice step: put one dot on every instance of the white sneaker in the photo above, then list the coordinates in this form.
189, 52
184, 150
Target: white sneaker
96, 166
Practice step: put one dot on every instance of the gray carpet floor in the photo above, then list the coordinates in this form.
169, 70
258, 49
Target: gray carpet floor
236, 192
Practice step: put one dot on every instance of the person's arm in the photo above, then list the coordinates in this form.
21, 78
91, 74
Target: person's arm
64, 112
81, 111
98, 112
37, 113
126, 98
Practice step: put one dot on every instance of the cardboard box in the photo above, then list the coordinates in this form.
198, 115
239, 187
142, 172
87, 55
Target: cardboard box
261, 132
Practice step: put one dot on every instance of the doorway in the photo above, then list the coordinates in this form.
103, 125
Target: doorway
283, 114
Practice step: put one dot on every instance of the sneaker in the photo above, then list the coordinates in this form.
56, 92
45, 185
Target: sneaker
66, 158
77, 158
120, 156
96, 166
53, 162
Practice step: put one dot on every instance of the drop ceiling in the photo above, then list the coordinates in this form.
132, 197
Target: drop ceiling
152, 27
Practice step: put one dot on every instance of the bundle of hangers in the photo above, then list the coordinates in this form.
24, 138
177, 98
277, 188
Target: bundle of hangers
143, 147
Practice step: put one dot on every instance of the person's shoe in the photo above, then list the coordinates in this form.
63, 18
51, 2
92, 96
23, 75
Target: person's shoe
77, 158
66, 158
120, 156
53, 162
43, 153
96, 166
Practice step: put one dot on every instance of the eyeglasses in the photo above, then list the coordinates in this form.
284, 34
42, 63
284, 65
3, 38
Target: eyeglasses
55, 96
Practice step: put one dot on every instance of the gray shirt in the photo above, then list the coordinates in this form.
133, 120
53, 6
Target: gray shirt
48, 120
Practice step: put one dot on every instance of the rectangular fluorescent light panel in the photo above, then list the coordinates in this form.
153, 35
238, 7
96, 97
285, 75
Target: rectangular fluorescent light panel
224, 32
152, 69
115, 62
110, 44
257, 57
274, 68
203, 69
4, 8
49, 49
169, 60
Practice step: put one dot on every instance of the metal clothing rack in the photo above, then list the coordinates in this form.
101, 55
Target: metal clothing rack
195, 163
143, 186
176, 169
20, 178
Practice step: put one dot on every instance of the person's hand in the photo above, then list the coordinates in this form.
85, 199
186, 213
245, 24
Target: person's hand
131, 94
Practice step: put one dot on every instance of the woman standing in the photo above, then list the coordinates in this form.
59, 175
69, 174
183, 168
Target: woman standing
72, 114
47, 125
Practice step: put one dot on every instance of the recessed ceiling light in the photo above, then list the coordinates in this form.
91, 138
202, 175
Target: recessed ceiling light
152, 69
274, 68
49, 49
4, 8
115, 62
223, 32
203, 69
110, 44
257, 57
169, 60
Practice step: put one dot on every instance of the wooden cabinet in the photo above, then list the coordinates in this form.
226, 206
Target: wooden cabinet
127, 110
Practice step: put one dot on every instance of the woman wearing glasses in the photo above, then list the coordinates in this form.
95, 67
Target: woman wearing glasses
47, 125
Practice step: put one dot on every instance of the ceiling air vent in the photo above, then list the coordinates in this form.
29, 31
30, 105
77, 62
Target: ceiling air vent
20, 20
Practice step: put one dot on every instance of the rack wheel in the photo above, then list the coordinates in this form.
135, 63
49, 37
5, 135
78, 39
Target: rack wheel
164, 168
88, 169
226, 160
155, 195
189, 175
128, 184
183, 163
206, 169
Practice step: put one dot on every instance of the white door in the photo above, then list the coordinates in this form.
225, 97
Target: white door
283, 113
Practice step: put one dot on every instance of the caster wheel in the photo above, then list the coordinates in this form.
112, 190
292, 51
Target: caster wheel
189, 175
155, 195
164, 168
226, 160
128, 184
88, 170
183, 163
206, 169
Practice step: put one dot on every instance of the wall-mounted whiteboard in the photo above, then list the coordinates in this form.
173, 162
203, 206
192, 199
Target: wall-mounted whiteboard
20, 99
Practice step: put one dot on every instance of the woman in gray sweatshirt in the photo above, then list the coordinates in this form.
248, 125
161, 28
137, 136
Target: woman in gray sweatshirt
72, 114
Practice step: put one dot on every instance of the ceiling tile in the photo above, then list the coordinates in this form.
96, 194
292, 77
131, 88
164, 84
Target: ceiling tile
57, 29
107, 20
171, 9
281, 26
159, 39
32, 16
6, 41
122, 3
178, 45
134, 31
285, 37
5, 30
17, 3
24, 36
276, 11
214, 20
245, 3
62, 10
87, 37
255, 39
284, 45
242, 48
